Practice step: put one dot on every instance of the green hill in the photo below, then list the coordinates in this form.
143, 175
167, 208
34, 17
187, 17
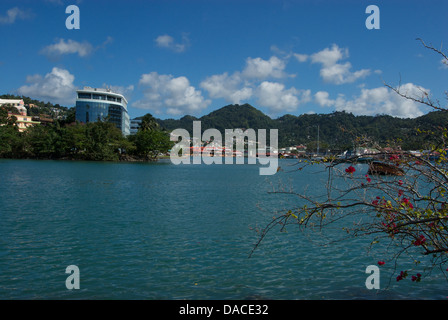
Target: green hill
336, 130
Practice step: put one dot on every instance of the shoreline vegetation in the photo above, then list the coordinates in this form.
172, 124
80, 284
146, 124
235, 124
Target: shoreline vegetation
332, 134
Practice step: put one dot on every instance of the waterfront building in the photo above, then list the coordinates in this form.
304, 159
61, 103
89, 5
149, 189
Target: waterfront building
93, 104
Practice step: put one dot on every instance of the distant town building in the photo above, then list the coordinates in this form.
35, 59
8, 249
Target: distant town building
17, 103
23, 121
93, 104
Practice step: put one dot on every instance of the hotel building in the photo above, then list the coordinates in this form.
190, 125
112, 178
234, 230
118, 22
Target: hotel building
94, 104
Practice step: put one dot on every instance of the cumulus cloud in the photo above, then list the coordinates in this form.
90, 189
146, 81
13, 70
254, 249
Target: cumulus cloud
374, 101
68, 47
12, 15
173, 95
274, 96
333, 71
258, 68
322, 98
229, 87
63, 47
254, 82
168, 42
56, 86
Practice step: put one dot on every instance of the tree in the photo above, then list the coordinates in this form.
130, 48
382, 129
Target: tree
150, 140
406, 213
101, 141
149, 123
10, 141
42, 141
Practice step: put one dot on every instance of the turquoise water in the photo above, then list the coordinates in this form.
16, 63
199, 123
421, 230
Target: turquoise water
160, 231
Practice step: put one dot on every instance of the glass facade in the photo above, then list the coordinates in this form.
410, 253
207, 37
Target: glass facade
103, 106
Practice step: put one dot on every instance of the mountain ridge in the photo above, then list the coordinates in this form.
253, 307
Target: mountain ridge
337, 130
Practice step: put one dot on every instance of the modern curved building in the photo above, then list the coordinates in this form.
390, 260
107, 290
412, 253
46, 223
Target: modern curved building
94, 104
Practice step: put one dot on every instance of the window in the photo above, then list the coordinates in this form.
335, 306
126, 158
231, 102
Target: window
83, 95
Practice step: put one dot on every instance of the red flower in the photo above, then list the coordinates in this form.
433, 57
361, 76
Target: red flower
394, 157
417, 278
400, 193
350, 169
400, 182
380, 263
368, 178
402, 275
421, 240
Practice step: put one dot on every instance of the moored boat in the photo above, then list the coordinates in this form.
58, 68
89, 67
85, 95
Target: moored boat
383, 168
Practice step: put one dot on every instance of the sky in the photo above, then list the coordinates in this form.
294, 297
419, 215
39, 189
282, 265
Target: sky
173, 58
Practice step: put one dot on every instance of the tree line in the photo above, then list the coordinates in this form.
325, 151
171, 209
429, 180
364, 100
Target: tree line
97, 141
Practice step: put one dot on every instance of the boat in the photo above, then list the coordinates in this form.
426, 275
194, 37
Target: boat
382, 168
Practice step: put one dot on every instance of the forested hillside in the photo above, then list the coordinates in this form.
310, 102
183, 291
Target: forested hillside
336, 130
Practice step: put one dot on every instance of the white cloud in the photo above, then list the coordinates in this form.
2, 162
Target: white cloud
253, 82
277, 99
167, 41
12, 15
56, 86
174, 95
258, 68
230, 88
444, 63
329, 57
334, 72
301, 57
322, 99
68, 47
380, 100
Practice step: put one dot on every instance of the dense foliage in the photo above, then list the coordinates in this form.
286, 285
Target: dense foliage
99, 141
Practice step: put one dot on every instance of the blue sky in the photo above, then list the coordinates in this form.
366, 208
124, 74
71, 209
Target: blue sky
176, 57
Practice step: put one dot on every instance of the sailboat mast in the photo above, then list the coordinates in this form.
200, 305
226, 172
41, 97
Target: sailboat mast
317, 139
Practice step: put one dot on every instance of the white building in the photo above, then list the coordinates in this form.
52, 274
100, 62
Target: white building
93, 104
17, 103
